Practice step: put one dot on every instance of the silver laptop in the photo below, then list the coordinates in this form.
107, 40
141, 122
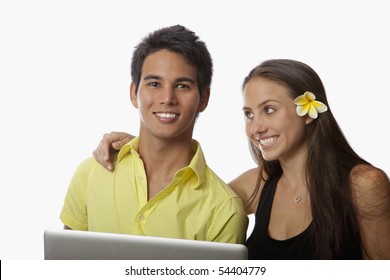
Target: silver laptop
62, 244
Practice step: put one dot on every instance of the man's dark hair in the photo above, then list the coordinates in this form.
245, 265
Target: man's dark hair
180, 40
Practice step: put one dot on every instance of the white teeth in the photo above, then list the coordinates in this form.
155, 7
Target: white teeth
267, 141
166, 115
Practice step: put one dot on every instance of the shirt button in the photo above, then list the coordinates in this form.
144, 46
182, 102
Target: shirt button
140, 177
142, 217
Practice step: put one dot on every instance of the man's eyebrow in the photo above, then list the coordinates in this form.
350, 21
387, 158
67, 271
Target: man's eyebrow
152, 77
178, 80
185, 79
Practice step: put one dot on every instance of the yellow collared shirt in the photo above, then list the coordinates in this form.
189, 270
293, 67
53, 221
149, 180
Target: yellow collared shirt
197, 204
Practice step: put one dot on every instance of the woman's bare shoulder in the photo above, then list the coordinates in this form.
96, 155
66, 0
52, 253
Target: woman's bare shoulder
371, 190
244, 185
370, 185
247, 178
366, 176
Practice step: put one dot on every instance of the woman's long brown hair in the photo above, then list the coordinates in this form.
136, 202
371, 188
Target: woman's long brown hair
329, 163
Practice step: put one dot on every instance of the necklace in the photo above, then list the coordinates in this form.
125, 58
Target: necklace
298, 199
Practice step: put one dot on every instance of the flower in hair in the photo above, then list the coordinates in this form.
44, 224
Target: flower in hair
307, 104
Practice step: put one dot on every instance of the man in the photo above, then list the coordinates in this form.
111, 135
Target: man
161, 185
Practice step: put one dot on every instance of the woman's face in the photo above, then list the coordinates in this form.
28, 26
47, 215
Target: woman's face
272, 123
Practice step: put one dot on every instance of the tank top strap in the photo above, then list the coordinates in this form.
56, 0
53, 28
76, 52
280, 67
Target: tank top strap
263, 212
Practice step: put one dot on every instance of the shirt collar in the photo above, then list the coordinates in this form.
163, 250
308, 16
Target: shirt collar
197, 164
131, 147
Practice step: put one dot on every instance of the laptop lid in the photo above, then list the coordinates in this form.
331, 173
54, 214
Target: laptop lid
62, 244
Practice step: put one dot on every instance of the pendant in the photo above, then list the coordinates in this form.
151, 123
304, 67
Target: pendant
298, 199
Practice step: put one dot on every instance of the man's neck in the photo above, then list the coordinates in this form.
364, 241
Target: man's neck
162, 159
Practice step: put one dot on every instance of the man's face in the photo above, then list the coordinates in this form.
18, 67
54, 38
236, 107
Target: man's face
168, 96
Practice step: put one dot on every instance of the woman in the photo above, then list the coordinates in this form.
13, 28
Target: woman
312, 195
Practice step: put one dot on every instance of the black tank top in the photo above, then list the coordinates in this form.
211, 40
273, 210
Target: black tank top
300, 247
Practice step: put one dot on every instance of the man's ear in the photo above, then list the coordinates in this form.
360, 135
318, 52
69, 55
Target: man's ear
204, 100
133, 95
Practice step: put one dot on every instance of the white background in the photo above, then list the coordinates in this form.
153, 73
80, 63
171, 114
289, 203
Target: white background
64, 79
